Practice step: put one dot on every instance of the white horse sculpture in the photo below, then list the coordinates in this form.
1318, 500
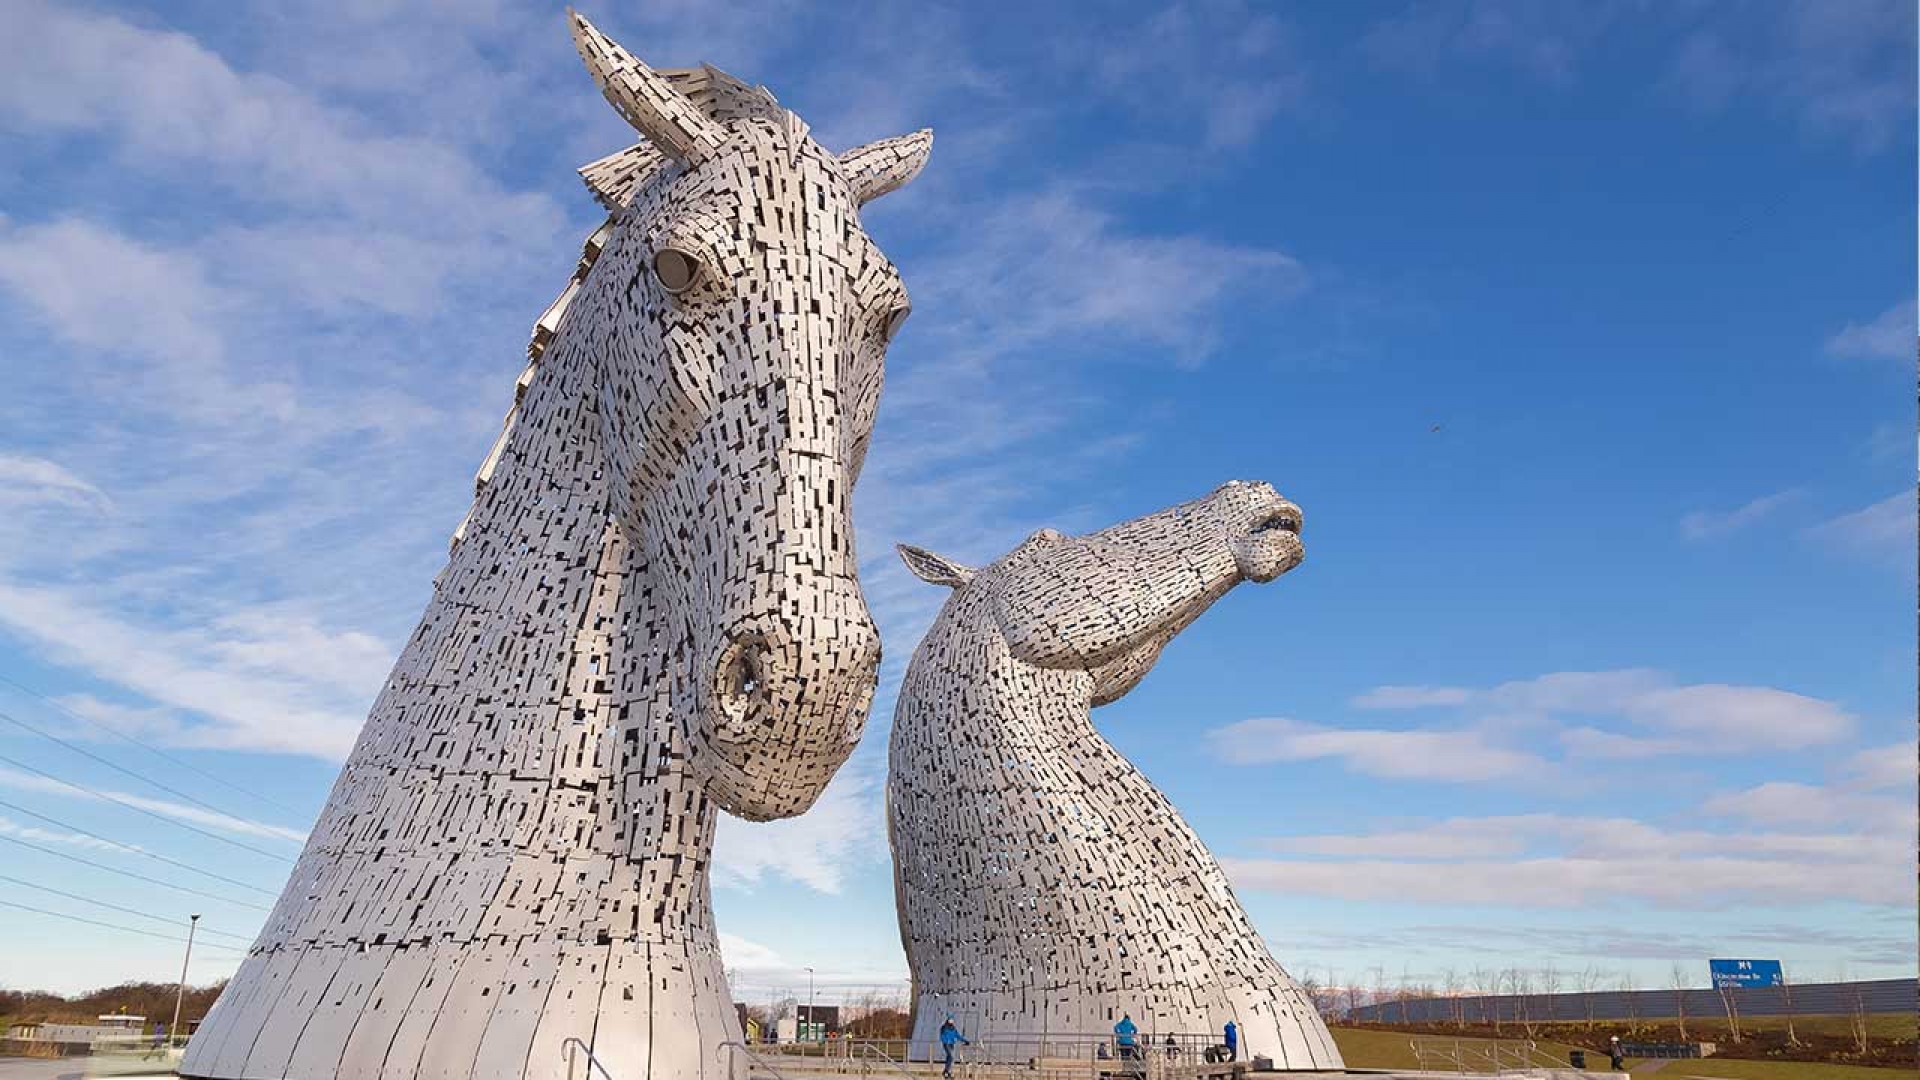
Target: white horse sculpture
650, 614
1045, 886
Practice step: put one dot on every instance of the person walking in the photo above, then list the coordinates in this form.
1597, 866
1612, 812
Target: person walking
1233, 1041
949, 1035
1616, 1060
1124, 1036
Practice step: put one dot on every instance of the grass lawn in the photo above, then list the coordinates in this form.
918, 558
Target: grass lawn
1730, 1069
1366, 1048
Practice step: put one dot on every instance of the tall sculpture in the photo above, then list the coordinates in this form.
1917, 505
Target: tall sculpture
1044, 884
649, 615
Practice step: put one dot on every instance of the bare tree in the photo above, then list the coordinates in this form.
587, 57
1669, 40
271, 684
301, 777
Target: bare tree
1589, 981
1857, 1021
1786, 991
1520, 983
1679, 980
1450, 979
1487, 982
1632, 995
1550, 991
1405, 991
1727, 996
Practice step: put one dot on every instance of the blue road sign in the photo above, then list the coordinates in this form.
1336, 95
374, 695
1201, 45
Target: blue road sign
1742, 973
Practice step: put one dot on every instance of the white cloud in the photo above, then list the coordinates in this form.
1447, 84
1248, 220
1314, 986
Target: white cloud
192, 815
93, 287
1845, 71
36, 835
817, 849
245, 690
1551, 860
1882, 767
1423, 755
1709, 524
1543, 38
1882, 531
26, 480
1411, 697
1253, 71
1682, 718
1890, 336
1782, 802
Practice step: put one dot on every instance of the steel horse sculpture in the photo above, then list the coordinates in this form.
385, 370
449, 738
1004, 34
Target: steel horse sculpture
651, 614
1044, 884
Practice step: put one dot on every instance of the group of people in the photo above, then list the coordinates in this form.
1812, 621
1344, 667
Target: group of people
1126, 1042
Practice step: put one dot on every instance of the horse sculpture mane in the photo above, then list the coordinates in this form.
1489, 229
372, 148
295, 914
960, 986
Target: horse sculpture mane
650, 614
1044, 885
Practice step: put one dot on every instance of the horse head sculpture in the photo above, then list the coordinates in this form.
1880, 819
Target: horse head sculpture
1044, 884
741, 319
650, 614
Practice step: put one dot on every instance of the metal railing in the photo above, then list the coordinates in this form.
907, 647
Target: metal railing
1015, 1056
567, 1046
1442, 1054
734, 1048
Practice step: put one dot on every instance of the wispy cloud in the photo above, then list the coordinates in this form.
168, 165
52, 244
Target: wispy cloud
817, 849
1881, 531
240, 686
1734, 718
192, 815
1466, 756
26, 480
1711, 524
1551, 860
1892, 335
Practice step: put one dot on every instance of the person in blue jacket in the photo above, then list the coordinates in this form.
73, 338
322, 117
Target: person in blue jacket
1123, 1036
1233, 1041
950, 1035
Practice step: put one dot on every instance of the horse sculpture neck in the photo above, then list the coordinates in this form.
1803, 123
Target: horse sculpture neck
514, 854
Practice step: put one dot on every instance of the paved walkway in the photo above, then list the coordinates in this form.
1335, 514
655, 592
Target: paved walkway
82, 1068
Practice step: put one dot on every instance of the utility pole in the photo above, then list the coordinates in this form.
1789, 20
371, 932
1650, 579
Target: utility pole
810, 1017
173, 1032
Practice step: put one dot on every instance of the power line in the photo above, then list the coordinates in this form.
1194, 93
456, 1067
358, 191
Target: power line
118, 734
131, 874
116, 907
155, 814
189, 867
112, 926
111, 764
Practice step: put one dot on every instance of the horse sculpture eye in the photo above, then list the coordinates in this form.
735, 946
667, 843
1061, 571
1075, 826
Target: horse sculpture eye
676, 269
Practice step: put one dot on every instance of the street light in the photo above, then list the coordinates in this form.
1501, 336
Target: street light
173, 1032
810, 1016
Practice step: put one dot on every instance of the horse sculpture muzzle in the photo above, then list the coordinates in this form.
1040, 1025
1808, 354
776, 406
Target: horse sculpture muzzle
787, 708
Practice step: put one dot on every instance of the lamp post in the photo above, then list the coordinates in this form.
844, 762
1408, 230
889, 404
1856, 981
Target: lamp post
173, 1031
810, 1016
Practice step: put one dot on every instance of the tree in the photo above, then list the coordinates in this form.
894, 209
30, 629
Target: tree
1679, 980
1589, 981
1550, 990
1786, 991
1632, 995
1727, 1002
1487, 982
1450, 979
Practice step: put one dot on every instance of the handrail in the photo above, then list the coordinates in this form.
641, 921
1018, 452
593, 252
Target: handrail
868, 1051
739, 1047
592, 1062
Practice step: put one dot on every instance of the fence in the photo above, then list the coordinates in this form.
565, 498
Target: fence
1806, 999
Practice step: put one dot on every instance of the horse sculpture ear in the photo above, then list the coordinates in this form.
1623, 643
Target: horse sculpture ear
671, 122
879, 167
934, 569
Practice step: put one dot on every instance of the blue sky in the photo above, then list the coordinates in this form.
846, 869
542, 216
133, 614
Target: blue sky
1583, 333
